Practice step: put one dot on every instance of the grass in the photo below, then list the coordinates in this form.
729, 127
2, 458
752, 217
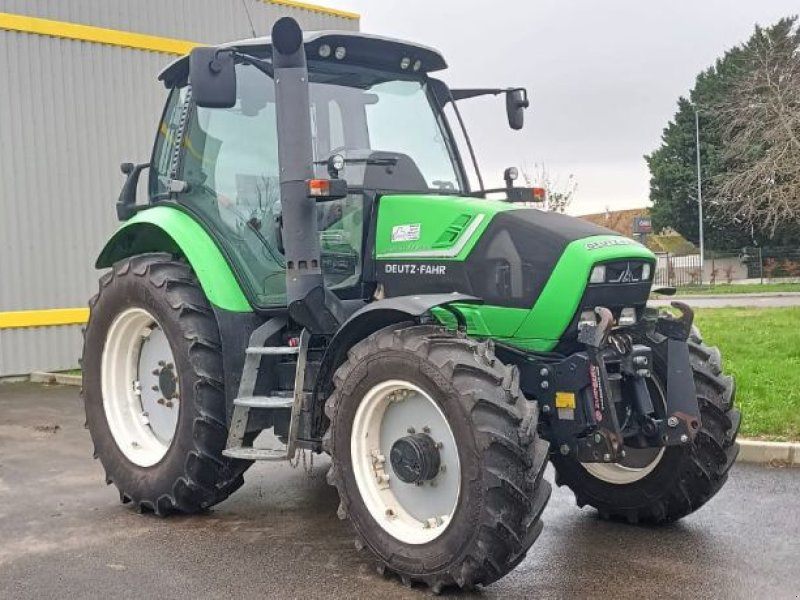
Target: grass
727, 288
761, 348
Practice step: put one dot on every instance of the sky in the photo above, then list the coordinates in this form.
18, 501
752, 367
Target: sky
604, 77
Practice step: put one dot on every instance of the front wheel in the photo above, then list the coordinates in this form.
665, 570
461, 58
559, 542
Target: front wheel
659, 485
435, 456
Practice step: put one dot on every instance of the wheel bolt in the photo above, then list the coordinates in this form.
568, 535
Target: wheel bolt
564, 449
544, 372
598, 438
684, 438
545, 408
154, 388
672, 421
426, 429
544, 385
156, 372
411, 430
162, 363
607, 457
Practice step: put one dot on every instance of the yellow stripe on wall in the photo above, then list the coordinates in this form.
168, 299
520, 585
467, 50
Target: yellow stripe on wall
316, 8
99, 35
43, 318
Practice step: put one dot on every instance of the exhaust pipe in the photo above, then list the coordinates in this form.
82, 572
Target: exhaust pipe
309, 303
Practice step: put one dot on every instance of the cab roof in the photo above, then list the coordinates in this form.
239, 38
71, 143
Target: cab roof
361, 49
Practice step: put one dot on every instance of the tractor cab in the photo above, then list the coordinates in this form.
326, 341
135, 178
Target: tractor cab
376, 123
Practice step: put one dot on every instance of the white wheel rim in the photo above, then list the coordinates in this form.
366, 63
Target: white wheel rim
624, 473
137, 373
411, 513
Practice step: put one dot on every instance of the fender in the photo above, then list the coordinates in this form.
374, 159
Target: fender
168, 229
365, 321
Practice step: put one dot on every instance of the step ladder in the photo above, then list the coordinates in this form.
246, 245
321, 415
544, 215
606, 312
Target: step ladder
247, 401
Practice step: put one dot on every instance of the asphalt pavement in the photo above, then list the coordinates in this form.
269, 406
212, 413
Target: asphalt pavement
64, 534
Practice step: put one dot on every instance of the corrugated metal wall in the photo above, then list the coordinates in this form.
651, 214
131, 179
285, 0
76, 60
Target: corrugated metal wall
70, 112
208, 21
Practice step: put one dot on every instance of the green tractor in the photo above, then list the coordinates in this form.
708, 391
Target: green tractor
313, 263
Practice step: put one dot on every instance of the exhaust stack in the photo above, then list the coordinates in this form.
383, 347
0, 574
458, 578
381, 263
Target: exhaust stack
310, 304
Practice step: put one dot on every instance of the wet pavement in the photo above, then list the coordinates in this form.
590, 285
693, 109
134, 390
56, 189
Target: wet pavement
63, 533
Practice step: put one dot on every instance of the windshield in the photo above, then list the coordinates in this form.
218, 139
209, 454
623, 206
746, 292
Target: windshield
387, 131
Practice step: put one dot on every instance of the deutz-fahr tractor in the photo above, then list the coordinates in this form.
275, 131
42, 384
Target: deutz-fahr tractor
312, 262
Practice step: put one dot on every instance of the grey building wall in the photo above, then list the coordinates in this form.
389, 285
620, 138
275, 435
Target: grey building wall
70, 113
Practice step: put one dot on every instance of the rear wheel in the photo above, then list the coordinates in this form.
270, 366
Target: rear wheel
153, 392
658, 485
435, 457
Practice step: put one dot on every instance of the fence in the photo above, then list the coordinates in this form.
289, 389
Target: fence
748, 265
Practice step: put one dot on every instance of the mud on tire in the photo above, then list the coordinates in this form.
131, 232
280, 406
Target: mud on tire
193, 475
686, 477
502, 493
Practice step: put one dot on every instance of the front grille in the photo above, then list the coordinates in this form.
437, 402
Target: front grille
625, 271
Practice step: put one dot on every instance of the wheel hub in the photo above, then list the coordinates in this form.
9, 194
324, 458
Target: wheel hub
167, 382
415, 458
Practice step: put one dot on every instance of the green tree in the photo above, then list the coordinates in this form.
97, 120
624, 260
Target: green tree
673, 182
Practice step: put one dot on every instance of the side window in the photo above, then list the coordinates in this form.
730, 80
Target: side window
165, 142
230, 161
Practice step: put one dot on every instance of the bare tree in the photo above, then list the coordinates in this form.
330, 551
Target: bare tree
760, 128
558, 194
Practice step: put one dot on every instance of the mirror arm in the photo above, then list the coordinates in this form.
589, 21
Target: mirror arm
262, 65
126, 203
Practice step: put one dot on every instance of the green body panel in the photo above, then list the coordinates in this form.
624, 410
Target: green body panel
447, 227
485, 320
166, 229
540, 328
559, 299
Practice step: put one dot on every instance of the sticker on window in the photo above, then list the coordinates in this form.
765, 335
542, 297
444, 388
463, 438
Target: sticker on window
405, 233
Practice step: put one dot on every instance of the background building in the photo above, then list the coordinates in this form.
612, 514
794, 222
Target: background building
78, 96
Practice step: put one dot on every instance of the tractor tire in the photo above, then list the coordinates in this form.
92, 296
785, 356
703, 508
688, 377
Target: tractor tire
157, 472
685, 477
486, 430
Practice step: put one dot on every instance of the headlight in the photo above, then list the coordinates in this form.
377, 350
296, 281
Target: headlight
598, 274
645, 271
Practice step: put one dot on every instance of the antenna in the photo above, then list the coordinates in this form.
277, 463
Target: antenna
249, 18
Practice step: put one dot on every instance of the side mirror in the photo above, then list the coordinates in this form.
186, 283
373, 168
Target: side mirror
516, 103
212, 75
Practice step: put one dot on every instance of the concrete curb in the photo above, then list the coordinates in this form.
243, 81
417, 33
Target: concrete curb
56, 378
725, 296
776, 454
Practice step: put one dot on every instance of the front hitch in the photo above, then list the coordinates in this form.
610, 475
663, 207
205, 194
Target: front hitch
584, 396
